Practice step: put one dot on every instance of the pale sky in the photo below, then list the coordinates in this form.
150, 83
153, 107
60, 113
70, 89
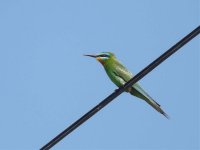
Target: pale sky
46, 83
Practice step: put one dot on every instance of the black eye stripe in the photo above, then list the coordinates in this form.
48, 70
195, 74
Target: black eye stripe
103, 55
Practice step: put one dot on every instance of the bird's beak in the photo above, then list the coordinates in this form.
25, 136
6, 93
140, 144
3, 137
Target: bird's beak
94, 56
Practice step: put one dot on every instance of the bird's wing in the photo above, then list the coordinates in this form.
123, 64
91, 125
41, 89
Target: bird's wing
121, 74
119, 79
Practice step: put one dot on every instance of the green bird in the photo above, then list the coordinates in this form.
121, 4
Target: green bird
120, 75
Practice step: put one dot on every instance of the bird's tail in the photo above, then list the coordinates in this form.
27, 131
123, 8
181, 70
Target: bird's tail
137, 91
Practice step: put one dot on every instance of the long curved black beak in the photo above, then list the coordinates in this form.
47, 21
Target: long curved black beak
94, 56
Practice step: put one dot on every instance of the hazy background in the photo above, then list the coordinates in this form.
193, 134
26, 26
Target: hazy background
46, 83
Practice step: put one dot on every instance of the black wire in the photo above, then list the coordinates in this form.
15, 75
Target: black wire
121, 89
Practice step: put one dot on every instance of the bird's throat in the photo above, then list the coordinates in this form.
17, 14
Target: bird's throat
101, 61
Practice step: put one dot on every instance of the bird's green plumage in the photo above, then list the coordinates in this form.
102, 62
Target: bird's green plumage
120, 75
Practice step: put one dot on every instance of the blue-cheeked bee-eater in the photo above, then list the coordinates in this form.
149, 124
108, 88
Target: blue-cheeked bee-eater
120, 75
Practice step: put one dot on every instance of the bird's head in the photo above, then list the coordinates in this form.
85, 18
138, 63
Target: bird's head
103, 57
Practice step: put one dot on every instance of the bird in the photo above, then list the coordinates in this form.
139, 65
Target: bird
119, 75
